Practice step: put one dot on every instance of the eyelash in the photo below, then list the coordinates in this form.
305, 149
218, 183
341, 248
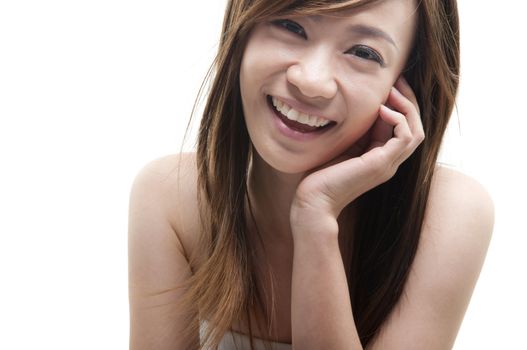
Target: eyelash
297, 29
371, 53
291, 26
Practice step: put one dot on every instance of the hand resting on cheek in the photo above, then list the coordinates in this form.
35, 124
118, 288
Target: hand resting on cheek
372, 160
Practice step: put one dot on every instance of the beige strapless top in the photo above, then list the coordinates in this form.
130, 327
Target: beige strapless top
238, 341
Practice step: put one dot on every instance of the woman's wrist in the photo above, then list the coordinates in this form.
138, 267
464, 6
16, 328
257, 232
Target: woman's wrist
312, 223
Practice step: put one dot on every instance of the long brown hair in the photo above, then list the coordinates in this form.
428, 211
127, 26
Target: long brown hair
387, 231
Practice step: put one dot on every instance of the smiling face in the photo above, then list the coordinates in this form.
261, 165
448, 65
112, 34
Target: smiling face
330, 73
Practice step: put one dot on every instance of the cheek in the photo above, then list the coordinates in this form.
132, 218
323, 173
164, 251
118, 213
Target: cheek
363, 101
257, 60
245, 75
249, 76
252, 73
249, 65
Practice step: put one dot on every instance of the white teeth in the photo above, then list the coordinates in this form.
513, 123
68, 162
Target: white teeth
303, 118
277, 103
293, 114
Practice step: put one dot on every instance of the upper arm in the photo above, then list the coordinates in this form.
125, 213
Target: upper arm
157, 262
456, 233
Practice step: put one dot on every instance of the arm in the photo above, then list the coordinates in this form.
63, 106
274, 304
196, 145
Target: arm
321, 313
157, 264
321, 310
456, 234
454, 241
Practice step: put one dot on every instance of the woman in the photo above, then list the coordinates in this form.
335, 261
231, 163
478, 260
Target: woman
313, 212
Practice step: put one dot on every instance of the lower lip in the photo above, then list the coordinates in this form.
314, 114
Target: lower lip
294, 134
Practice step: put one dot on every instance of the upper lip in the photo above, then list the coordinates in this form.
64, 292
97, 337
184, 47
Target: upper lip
302, 108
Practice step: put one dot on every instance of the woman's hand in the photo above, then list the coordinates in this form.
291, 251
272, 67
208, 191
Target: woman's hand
374, 159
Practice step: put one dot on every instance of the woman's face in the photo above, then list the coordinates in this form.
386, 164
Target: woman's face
321, 69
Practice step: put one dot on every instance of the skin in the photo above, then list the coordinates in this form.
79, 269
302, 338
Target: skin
164, 228
323, 73
299, 189
316, 65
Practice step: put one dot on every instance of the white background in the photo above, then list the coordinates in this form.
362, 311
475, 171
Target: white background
92, 90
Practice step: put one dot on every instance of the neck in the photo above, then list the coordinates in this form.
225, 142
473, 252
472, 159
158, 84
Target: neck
271, 193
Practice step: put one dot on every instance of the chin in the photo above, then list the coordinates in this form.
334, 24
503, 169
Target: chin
291, 165
291, 169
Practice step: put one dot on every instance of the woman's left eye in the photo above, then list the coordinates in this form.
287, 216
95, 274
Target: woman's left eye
291, 26
366, 53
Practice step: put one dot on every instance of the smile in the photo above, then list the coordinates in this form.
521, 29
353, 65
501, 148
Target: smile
296, 120
292, 114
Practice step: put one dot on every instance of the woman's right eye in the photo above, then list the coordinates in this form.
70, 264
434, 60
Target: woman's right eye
291, 26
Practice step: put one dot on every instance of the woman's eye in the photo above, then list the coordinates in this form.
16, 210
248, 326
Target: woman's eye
366, 53
291, 26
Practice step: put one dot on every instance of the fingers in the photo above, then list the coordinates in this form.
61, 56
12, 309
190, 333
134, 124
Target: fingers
403, 99
406, 121
402, 85
401, 129
381, 132
399, 147
392, 139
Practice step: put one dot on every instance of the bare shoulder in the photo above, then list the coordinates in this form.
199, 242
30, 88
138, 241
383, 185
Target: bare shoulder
169, 184
457, 230
458, 199
160, 235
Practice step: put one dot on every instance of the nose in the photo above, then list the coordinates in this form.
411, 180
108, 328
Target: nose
313, 75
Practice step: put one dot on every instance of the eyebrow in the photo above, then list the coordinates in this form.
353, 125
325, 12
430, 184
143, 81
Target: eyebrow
372, 32
363, 30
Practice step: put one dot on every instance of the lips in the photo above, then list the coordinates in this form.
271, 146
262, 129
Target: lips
295, 125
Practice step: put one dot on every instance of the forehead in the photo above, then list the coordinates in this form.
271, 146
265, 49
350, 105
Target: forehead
402, 11
340, 7
398, 18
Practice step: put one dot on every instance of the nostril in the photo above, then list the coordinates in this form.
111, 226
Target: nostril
312, 83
